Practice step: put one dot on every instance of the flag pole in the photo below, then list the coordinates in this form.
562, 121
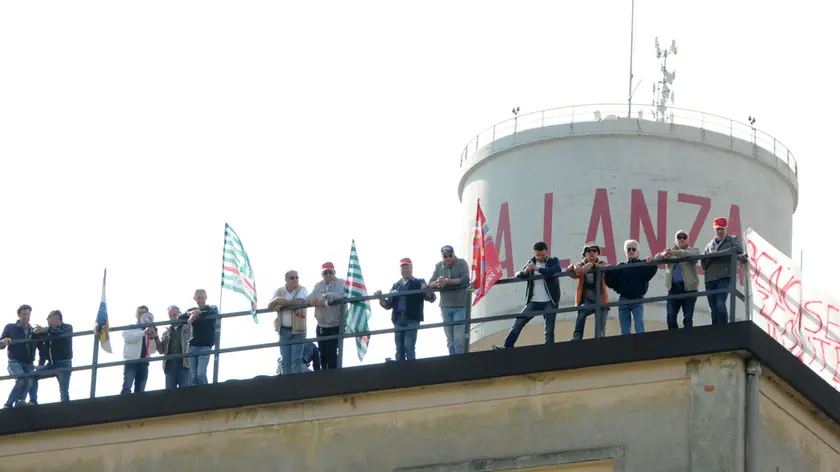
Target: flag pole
219, 320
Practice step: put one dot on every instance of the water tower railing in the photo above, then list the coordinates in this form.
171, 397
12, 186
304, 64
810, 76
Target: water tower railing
598, 112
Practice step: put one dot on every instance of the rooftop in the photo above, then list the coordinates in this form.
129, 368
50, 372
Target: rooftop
705, 340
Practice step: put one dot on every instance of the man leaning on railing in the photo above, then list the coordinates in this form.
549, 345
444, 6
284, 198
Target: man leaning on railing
450, 272
407, 310
718, 270
540, 295
585, 296
21, 358
175, 340
57, 347
328, 314
680, 278
204, 335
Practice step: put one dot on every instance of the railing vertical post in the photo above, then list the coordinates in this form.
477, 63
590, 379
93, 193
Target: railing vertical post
216, 350
733, 284
341, 329
93, 365
467, 320
747, 292
599, 328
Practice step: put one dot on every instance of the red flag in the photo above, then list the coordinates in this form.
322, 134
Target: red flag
486, 268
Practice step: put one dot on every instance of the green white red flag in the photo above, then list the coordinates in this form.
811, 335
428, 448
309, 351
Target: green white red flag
358, 315
237, 274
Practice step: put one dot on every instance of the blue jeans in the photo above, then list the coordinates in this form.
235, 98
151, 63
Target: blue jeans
176, 374
454, 334
198, 364
583, 313
23, 385
521, 321
135, 374
63, 379
717, 303
406, 338
624, 312
291, 355
687, 305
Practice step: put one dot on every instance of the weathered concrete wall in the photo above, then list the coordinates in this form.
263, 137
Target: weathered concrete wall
670, 415
793, 436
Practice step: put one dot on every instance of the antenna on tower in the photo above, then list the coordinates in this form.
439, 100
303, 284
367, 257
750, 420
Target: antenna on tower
662, 92
631, 89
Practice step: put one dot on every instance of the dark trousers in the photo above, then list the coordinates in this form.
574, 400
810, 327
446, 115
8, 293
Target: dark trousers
136, 374
521, 321
717, 303
674, 306
176, 374
328, 348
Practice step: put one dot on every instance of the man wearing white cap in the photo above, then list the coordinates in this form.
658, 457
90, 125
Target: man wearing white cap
680, 278
407, 310
328, 314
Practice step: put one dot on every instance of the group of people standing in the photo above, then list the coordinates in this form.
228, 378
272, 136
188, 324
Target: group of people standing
630, 280
195, 334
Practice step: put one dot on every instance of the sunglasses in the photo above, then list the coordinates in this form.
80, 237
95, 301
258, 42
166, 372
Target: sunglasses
682, 236
632, 249
592, 249
328, 272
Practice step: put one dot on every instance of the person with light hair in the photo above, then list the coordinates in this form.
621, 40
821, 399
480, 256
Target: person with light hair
290, 324
203, 319
631, 282
680, 278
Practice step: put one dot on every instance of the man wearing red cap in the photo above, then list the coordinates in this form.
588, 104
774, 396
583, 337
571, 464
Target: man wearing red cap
407, 310
328, 313
717, 271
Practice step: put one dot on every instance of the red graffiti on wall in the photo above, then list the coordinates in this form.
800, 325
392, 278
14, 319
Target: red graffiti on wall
657, 232
802, 321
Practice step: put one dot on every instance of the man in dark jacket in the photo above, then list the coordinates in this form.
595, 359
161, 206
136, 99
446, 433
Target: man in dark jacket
407, 310
204, 325
57, 347
21, 357
540, 295
631, 283
717, 274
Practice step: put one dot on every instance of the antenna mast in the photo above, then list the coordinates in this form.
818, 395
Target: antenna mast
662, 90
630, 88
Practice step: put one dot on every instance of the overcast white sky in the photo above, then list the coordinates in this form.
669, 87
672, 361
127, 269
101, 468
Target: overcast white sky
131, 132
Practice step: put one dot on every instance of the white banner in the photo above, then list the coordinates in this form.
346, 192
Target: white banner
805, 322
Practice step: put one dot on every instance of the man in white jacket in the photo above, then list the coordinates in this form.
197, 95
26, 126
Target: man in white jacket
137, 344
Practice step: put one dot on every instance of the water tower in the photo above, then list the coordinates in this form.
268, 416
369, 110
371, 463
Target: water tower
605, 173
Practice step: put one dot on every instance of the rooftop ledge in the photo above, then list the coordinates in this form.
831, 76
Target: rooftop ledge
611, 119
705, 340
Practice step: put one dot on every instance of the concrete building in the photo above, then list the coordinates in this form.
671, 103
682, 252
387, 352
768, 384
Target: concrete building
708, 399
568, 176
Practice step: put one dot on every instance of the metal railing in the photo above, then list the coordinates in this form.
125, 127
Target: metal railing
606, 111
598, 308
